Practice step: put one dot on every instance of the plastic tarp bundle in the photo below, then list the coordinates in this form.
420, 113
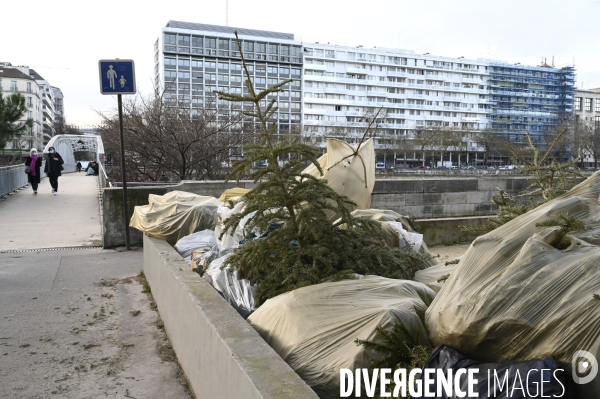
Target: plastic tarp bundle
231, 239
202, 240
514, 380
175, 215
239, 293
313, 328
435, 276
514, 297
232, 193
397, 231
353, 177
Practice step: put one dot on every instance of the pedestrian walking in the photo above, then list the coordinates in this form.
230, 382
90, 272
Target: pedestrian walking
78, 166
53, 168
34, 162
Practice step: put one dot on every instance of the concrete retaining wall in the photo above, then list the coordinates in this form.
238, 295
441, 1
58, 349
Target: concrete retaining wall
443, 197
221, 355
420, 198
112, 205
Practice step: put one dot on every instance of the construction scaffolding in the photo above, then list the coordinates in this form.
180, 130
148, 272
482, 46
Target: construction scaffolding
529, 99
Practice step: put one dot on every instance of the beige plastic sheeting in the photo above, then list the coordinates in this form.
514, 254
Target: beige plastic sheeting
353, 177
397, 232
435, 276
175, 215
313, 328
233, 193
513, 296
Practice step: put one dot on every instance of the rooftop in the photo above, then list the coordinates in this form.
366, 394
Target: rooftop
230, 30
7, 72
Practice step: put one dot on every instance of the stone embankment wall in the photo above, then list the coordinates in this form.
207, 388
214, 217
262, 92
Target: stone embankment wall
446, 199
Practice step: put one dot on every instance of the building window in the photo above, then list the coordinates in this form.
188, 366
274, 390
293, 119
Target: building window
13, 85
184, 40
170, 39
597, 105
588, 105
248, 47
29, 87
578, 103
338, 107
29, 102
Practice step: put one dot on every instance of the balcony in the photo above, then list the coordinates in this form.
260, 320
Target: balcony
315, 67
358, 71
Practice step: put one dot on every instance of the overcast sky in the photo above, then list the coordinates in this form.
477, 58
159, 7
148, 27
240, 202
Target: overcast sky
63, 40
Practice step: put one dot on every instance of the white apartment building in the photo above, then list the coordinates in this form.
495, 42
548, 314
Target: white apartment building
47, 110
344, 88
14, 80
59, 109
587, 123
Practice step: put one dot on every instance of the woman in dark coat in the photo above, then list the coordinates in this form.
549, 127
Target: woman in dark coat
35, 163
53, 168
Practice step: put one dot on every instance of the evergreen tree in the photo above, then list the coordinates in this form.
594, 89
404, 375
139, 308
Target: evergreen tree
297, 245
12, 110
548, 179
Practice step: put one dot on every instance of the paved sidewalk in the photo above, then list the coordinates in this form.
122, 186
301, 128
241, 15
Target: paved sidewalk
69, 219
74, 323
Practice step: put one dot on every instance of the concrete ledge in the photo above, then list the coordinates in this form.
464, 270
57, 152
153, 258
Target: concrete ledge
445, 230
221, 355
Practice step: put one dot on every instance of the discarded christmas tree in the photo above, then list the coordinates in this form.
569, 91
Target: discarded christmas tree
297, 245
548, 180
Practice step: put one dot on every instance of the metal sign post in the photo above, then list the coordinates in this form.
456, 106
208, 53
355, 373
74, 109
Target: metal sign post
118, 77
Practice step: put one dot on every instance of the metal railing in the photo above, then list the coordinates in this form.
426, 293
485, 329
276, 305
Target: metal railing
12, 178
103, 178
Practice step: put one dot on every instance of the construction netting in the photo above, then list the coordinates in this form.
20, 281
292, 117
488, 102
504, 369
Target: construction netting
175, 215
314, 328
514, 296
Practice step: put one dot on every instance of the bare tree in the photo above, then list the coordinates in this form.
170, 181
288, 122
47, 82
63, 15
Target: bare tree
492, 143
165, 139
423, 140
587, 141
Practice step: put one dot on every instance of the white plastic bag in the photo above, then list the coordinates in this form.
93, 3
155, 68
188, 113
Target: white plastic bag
204, 239
239, 293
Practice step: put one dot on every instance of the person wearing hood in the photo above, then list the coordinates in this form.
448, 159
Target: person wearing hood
35, 163
53, 168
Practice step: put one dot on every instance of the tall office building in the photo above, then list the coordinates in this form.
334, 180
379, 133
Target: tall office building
193, 60
338, 90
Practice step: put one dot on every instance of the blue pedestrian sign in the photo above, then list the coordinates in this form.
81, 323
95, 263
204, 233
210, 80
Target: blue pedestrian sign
117, 76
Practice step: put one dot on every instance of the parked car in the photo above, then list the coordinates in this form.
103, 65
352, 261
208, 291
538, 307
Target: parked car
379, 165
491, 167
454, 167
422, 167
442, 167
470, 167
